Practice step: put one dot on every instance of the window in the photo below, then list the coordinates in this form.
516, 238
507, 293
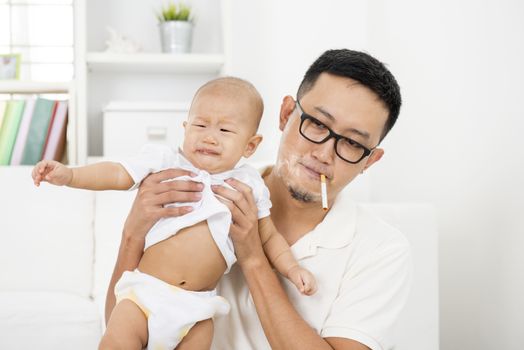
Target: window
42, 32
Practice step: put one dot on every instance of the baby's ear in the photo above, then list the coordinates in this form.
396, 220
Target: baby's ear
252, 145
184, 124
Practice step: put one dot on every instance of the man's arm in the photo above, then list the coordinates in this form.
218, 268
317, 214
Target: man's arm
129, 254
283, 326
147, 209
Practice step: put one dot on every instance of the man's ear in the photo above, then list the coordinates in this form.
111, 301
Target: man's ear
287, 107
184, 124
252, 145
374, 157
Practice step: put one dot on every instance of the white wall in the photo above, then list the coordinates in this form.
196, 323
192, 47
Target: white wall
274, 42
457, 143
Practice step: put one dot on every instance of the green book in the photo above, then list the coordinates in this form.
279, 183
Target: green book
10, 124
38, 129
3, 105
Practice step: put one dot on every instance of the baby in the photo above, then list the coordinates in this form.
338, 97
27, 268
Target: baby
184, 257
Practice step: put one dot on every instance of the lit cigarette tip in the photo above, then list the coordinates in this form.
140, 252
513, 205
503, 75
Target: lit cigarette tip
323, 190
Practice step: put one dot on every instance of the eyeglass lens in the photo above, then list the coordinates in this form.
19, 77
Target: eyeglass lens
317, 132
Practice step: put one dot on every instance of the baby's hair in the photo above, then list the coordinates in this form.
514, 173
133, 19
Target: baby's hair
233, 85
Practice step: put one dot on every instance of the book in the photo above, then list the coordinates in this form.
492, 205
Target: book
53, 113
55, 145
9, 130
38, 131
21, 139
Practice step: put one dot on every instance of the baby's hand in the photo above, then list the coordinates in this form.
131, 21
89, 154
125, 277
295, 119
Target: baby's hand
303, 280
53, 172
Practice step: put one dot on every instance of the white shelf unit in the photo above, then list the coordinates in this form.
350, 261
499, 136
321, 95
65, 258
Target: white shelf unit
155, 63
34, 87
149, 76
158, 122
21, 87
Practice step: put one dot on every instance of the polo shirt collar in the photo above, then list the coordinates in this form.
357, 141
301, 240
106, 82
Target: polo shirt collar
335, 231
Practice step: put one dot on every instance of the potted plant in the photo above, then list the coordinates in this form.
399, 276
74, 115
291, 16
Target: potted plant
176, 28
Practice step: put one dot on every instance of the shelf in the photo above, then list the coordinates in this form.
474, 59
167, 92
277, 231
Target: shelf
155, 63
146, 106
24, 87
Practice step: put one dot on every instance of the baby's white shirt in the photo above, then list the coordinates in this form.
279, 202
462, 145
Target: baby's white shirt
154, 158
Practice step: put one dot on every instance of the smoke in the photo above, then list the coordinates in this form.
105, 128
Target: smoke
287, 169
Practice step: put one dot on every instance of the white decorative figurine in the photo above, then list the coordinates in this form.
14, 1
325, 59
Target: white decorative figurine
118, 43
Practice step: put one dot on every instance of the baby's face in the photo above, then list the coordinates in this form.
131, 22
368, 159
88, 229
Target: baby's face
219, 131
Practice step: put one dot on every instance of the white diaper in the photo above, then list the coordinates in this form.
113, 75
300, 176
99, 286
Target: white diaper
171, 311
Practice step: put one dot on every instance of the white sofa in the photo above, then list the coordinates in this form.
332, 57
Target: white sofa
59, 246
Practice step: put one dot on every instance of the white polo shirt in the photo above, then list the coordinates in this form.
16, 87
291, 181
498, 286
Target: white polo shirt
363, 269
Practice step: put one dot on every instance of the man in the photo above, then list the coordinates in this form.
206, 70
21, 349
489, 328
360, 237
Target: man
346, 104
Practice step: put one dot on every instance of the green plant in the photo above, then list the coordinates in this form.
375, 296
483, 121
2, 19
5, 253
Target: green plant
174, 12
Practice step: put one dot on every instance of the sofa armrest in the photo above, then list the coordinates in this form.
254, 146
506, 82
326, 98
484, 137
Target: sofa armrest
47, 235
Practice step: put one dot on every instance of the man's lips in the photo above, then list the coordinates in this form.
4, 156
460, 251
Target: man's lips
315, 172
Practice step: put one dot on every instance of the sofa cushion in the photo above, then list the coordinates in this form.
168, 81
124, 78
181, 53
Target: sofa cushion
46, 234
45, 320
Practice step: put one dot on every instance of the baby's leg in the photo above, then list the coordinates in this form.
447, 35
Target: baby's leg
126, 329
199, 337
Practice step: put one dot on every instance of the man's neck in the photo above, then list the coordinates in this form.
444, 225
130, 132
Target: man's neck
292, 218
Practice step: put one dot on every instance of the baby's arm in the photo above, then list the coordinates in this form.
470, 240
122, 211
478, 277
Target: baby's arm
97, 177
279, 254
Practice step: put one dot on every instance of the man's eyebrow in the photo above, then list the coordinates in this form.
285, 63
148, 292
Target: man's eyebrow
328, 115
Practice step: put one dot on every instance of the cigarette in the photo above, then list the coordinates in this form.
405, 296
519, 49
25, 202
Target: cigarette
323, 190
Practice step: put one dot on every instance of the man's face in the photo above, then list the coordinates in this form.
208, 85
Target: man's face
219, 131
346, 107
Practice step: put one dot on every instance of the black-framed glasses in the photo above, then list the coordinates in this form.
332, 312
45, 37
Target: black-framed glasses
317, 132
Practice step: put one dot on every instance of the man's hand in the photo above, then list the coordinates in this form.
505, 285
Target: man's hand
303, 280
53, 172
244, 212
153, 194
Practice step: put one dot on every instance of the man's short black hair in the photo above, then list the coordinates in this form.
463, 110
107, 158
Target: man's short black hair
363, 68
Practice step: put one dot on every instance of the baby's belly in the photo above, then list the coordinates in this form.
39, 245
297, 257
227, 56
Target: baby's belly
190, 259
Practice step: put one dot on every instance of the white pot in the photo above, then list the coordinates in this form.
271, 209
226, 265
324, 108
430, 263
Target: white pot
176, 36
